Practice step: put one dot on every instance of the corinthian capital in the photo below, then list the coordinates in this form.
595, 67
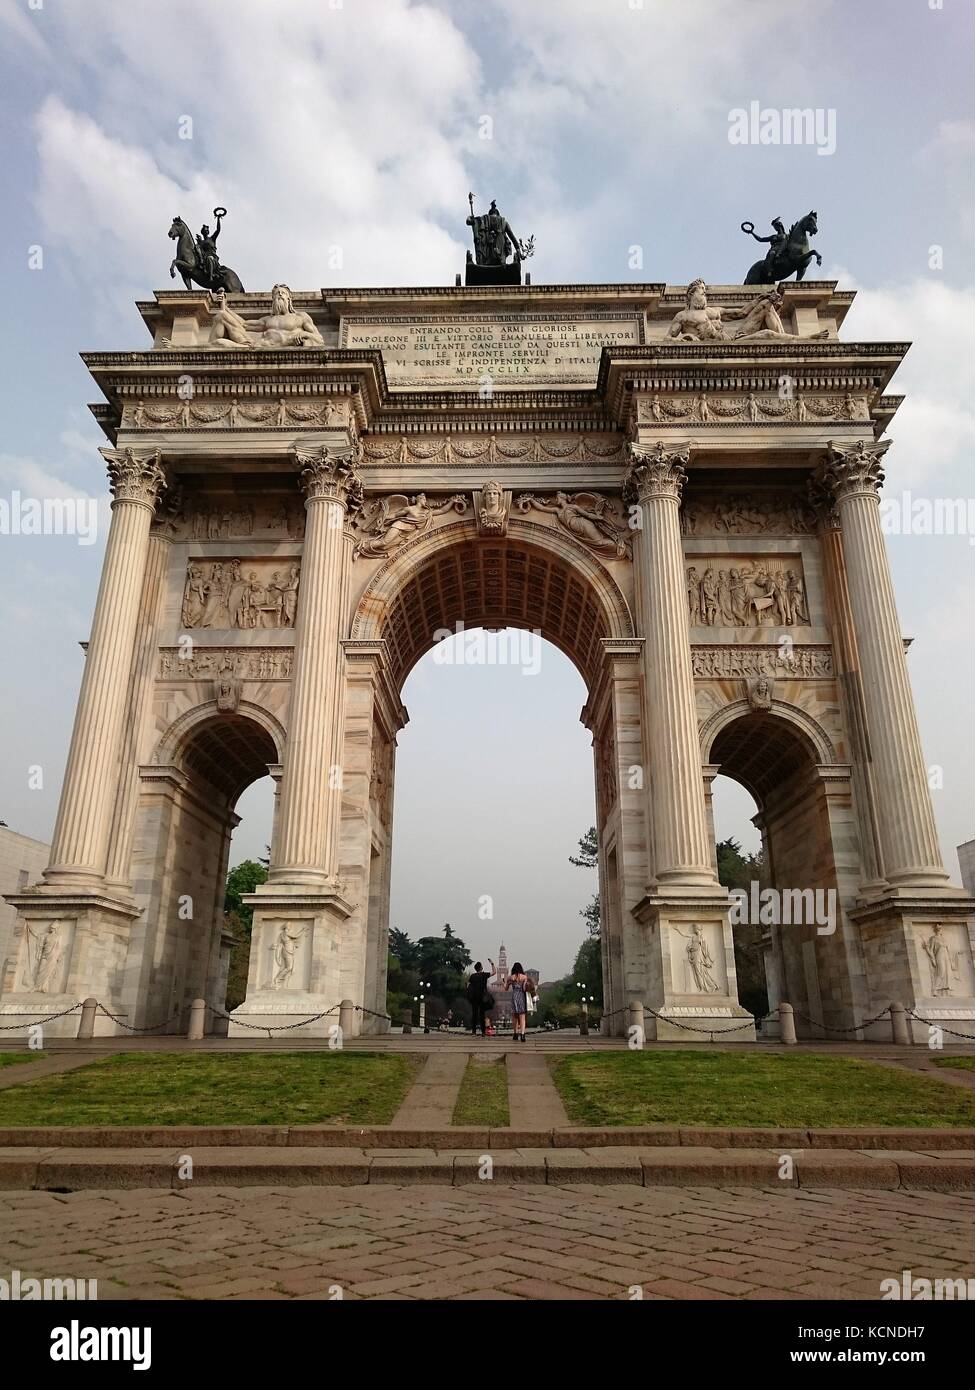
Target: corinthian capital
331, 474
135, 477
659, 472
854, 471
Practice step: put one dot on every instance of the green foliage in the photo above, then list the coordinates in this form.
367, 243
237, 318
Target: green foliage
440, 962
243, 878
737, 870
588, 858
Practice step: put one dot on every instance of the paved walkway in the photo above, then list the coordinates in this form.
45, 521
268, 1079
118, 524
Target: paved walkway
430, 1101
45, 1064
533, 1101
488, 1242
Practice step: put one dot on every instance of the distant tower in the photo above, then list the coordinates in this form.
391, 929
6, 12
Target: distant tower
502, 960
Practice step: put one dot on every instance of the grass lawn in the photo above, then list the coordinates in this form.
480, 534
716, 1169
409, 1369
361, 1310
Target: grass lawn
254, 1088
483, 1095
10, 1059
726, 1088
963, 1063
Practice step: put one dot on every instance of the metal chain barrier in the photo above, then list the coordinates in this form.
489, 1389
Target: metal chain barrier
270, 1028
13, 1027
712, 1032
930, 1023
856, 1027
131, 1026
361, 1009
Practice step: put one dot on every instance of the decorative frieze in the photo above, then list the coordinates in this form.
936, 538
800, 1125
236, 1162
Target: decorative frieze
752, 662
752, 408
232, 413
239, 593
746, 592
236, 518
747, 514
456, 450
210, 663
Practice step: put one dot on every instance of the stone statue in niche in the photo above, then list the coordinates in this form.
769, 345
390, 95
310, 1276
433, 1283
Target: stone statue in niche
759, 693
47, 957
700, 961
943, 961
588, 516
390, 522
285, 950
284, 327
227, 688
759, 320
745, 595
491, 508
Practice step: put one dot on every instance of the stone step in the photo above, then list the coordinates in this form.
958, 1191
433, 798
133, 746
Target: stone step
35, 1167
444, 1136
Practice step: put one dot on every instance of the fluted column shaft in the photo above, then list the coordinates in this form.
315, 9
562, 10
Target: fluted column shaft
311, 789
81, 834
909, 840
682, 852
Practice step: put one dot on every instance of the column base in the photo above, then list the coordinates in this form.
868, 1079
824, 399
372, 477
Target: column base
691, 985
919, 951
298, 968
66, 947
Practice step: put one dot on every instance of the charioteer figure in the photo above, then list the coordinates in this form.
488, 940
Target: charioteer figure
789, 251
494, 241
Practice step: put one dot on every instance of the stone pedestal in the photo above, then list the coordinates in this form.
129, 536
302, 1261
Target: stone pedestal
296, 963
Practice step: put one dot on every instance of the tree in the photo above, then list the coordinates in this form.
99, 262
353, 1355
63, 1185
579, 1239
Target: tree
737, 870
403, 949
439, 961
239, 919
588, 858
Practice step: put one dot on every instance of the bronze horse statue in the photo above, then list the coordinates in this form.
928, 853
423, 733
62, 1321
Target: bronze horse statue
196, 258
789, 251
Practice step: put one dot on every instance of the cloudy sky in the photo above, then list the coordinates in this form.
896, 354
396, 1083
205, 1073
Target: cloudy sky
361, 125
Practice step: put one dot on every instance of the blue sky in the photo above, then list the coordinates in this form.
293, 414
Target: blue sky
360, 125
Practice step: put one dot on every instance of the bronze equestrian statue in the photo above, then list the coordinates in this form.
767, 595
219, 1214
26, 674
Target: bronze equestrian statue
788, 251
198, 260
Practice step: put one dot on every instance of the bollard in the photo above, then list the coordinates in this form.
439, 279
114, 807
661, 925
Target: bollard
636, 1020
787, 1023
346, 1017
86, 1023
407, 1020
584, 1020
900, 1034
198, 1018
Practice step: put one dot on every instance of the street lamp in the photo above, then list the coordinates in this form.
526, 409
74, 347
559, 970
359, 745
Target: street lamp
585, 999
422, 1001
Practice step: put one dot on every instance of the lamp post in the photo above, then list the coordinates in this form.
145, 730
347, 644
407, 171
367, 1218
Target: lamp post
585, 999
422, 1001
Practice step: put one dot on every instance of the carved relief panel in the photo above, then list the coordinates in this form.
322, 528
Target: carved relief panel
240, 593
697, 959
746, 591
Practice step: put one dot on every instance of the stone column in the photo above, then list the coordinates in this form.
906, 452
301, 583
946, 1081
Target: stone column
306, 852
81, 834
909, 842
682, 851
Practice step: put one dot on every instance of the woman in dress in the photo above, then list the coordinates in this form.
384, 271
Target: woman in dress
521, 986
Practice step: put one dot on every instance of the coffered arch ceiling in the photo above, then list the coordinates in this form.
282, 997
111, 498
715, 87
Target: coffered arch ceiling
529, 579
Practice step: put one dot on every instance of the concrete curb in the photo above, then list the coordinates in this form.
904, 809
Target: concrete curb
35, 1168
453, 1138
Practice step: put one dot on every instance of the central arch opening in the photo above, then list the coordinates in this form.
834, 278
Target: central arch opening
496, 646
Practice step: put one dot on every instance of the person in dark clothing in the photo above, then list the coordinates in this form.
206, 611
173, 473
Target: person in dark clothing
479, 997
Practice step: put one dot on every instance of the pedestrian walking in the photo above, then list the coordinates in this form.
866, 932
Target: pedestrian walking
479, 998
522, 986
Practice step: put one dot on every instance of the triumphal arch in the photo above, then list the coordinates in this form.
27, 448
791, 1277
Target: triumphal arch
678, 486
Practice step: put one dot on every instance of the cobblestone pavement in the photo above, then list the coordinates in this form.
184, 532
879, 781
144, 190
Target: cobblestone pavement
430, 1243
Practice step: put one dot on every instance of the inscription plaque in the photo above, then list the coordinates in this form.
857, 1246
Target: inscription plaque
509, 349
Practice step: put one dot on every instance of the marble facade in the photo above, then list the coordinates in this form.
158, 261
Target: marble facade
694, 523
